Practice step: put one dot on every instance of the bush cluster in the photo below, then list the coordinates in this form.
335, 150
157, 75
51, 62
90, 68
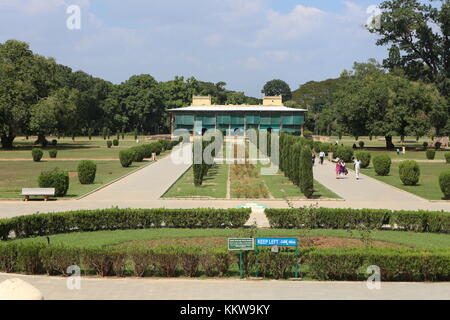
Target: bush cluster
116, 142
431, 154
382, 164
444, 183
375, 219
409, 172
121, 219
86, 172
126, 158
37, 154
344, 153
55, 178
144, 151
364, 157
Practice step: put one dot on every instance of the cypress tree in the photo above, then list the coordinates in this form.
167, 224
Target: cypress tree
306, 172
296, 163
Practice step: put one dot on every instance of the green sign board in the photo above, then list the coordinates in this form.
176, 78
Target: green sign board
241, 244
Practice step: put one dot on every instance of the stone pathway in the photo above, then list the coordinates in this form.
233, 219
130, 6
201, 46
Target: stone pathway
149, 183
54, 288
365, 189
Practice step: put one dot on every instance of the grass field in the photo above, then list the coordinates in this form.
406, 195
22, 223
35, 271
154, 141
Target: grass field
408, 239
214, 185
428, 186
16, 175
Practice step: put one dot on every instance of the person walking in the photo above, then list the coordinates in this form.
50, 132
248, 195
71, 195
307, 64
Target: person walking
321, 156
313, 159
343, 170
357, 163
338, 169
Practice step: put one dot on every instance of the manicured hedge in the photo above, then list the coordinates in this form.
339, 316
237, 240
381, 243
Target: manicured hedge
121, 219
409, 172
394, 264
327, 218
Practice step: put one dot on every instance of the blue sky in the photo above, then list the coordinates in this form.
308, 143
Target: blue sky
242, 42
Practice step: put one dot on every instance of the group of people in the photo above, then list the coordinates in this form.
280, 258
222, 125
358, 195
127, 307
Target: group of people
341, 166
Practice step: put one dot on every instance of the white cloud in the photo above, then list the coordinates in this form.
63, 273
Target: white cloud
38, 7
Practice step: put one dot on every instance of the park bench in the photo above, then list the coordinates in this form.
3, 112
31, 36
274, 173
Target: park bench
42, 192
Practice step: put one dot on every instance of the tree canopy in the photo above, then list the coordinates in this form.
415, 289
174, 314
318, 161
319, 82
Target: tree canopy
277, 87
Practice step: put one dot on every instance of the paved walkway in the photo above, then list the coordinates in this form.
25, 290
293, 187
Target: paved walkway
365, 189
149, 183
229, 289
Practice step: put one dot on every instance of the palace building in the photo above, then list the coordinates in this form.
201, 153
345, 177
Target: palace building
234, 120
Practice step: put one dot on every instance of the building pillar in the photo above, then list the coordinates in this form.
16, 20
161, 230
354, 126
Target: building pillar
302, 130
172, 123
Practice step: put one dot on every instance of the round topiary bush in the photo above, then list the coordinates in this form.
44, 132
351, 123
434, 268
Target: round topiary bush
86, 172
447, 157
37, 154
54, 142
382, 164
438, 145
53, 153
431, 154
109, 143
55, 178
364, 157
126, 158
444, 182
344, 153
116, 142
158, 148
425, 144
139, 153
409, 172
361, 144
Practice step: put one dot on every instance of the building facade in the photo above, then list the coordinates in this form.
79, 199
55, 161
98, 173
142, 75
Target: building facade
234, 120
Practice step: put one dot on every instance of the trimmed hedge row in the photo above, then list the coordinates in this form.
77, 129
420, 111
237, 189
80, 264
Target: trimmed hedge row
121, 219
327, 218
172, 261
394, 264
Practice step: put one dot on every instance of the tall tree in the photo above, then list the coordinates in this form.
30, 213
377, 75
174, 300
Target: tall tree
277, 87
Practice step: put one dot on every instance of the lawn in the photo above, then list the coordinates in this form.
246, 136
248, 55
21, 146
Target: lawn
100, 238
214, 185
281, 187
16, 175
428, 186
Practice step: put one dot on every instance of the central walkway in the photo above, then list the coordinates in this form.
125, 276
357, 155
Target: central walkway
365, 189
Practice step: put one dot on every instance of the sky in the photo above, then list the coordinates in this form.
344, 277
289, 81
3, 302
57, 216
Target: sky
244, 43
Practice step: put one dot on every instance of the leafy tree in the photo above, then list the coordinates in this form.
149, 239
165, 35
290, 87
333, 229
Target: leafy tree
306, 172
277, 87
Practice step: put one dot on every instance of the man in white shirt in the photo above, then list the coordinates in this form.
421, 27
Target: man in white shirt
321, 156
357, 167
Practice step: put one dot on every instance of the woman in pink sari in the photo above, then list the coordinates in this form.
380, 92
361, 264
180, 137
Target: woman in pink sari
338, 169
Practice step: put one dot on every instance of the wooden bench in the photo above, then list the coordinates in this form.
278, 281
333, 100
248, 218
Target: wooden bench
42, 192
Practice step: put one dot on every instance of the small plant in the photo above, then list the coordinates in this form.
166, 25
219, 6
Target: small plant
382, 164
54, 142
116, 142
109, 144
431, 154
438, 145
361, 144
37, 154
425, 144
86, 172
139, 153
55, 178
444, 183
409, 172
447, 157
126, 158
53, 153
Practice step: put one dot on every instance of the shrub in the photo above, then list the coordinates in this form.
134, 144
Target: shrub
167, 260
37, 154
8, 257
189, 260
431, 154
361, 144
109, 144
306, 173
57, 258
126, 158
53, 153
438, 145
425, 144
138, 153
409, 172
28, 259
99, 260
447, 157
55, 178
86, 172
326, 147
382, 165
344, 153
444, 183
364, 157
116, 142
166, 144
317, 146
54, 142
142, 259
